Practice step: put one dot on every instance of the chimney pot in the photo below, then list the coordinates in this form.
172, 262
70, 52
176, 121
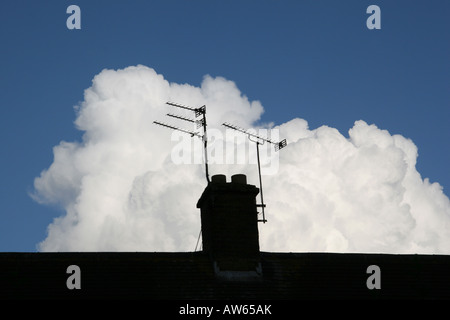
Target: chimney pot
219, 178
239, 178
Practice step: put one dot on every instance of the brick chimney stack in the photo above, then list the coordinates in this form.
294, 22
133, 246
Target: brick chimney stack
230, 226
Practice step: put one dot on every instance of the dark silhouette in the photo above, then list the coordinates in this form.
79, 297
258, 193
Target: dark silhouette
230, 266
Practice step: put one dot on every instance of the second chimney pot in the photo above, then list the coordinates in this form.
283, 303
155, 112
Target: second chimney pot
239, 178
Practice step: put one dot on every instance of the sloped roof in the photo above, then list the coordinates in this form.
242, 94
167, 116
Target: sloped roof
191, 275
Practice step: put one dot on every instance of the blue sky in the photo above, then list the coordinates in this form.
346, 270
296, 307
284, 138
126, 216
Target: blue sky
310, 59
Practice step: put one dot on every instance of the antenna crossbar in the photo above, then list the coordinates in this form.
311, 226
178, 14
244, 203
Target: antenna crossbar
178, 129
180, 106
197, 111
199, 123
278, 145
181, 117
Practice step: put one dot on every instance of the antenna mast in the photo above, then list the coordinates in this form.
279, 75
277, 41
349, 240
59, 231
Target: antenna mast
258, 140
200, 123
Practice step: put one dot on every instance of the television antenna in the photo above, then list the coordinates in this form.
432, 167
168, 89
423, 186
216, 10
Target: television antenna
198, 112
259, 141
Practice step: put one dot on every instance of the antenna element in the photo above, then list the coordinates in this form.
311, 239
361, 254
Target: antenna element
200, 123
259, 140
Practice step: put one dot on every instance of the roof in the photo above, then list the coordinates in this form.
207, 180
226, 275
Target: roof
191, 275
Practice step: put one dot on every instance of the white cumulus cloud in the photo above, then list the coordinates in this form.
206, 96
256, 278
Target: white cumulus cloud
121, 189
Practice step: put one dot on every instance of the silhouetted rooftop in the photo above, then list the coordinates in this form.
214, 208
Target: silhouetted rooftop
191, 275
230, 266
